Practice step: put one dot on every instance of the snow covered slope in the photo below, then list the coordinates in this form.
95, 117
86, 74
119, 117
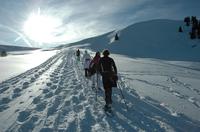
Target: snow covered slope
56, 96
151, 39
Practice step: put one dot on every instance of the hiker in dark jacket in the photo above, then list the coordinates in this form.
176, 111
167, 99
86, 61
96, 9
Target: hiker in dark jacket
78, 54
108, 70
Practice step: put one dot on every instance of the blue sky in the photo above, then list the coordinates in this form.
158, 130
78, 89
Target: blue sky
79, 19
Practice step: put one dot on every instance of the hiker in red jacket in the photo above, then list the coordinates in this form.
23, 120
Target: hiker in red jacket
94, 68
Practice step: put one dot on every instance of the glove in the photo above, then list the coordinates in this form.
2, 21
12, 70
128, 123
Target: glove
115, 77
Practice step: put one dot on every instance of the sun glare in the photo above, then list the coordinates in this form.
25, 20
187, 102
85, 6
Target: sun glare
41, 28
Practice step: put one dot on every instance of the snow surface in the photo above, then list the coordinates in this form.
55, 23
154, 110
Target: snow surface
160, 94
20, 61
55, 96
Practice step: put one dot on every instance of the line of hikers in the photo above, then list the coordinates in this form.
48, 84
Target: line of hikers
104, 66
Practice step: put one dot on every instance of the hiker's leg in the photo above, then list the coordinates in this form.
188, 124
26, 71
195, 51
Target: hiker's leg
108, 95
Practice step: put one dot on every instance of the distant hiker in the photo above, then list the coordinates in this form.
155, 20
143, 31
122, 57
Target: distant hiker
180, 29
187, 21
86, 63
78, 54
108, 71
94, 68
116, 37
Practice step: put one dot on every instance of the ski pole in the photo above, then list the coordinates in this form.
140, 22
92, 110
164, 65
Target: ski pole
122, 95
96, 86
96, 94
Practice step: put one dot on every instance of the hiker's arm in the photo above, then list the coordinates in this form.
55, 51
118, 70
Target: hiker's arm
100, 67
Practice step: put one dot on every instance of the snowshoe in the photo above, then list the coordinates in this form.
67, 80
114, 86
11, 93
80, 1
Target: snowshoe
108, 110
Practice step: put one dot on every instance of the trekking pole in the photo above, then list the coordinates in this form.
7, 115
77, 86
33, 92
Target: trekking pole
122, 95
96, 86
96, 94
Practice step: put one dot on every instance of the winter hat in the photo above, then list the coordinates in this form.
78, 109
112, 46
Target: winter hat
106, 52
97, 53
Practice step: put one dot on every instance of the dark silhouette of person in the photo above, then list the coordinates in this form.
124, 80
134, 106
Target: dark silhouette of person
78, 54
108, 70
116, 37
187, 21
180, 29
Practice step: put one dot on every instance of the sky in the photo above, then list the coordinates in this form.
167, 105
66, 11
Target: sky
46, 23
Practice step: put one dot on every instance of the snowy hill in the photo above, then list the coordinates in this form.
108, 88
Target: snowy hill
151, 39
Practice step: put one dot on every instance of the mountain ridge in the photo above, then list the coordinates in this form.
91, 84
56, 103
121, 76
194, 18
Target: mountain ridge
158, 38
15, 48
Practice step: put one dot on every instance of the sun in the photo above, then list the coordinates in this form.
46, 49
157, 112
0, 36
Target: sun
41, 28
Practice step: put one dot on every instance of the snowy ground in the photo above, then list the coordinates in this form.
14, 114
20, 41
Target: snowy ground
20, 61
55, 96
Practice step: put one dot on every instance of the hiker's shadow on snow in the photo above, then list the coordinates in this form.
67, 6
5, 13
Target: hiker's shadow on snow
147, 114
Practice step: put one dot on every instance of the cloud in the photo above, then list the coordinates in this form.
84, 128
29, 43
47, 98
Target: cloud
82, 18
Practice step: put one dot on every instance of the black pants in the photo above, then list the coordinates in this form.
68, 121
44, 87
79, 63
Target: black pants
108, 83
108, 95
